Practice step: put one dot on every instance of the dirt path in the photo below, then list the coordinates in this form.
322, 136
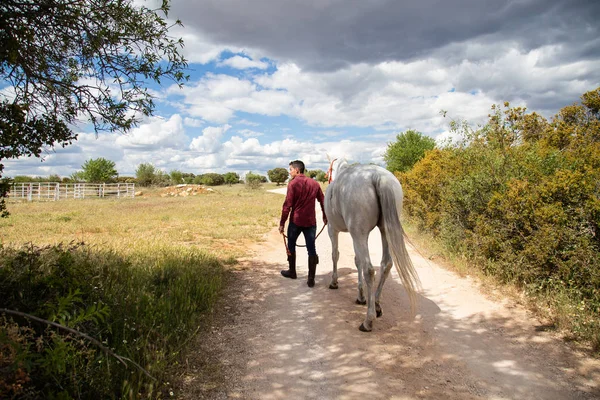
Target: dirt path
276, 338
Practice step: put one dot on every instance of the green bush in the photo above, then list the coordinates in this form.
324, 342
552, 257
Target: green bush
253, 181
520, 196
143, 306
231, 178
145, 174
212, 179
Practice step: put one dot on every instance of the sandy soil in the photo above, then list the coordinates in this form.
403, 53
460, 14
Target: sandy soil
275, 338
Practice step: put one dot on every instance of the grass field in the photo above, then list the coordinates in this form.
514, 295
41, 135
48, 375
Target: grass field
222, 222
141, 284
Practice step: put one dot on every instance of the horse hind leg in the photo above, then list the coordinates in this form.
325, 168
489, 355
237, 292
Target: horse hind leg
363, 263
360, 299
335, 256
386, 266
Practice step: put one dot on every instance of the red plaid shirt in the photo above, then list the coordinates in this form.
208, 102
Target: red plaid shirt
300, 200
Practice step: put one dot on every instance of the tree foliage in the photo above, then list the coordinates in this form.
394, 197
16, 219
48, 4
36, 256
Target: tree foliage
145, 174
161, 178
253, 181
520, 197
231, 178
312, 173
176, 177
278, 175
212, 179
321, 176
99, 170
188, 177
408, 148
69, 61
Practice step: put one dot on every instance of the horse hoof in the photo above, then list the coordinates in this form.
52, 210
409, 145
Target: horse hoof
363, 329
332, 286
362, 303
379, 313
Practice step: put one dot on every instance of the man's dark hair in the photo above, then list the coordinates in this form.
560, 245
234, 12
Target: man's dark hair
298, 164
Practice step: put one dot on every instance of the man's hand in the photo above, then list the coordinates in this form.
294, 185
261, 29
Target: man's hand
281, 229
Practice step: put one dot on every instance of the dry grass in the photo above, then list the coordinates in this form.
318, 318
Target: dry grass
223, 222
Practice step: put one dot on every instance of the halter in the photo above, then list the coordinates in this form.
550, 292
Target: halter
330, 171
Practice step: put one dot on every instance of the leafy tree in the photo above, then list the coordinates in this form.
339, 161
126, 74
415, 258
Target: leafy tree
231, 178
21, 179
176, 177
212, 179
278, 175
99, 170
312, 173
321, 176
409, 148
145, 174
125, 179
27, 179
161, 178
77, 176
188, 177
253, 181
65, 61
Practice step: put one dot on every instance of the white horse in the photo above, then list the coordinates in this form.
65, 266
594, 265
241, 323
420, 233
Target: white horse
359, 198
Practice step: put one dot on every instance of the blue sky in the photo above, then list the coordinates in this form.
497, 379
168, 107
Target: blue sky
285, 80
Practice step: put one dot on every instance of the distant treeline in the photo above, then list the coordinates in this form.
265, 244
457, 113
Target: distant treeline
101, 170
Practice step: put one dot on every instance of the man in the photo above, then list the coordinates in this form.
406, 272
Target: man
300, 200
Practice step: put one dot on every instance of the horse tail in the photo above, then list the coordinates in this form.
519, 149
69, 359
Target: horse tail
390, 198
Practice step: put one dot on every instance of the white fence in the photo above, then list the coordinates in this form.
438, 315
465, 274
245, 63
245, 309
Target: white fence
56, 191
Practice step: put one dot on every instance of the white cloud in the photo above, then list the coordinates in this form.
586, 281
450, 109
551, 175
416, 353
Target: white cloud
331, 133
198, 48
250, 133
192, 122
154, 133
216, 98
239, 62
246, 122
210, 141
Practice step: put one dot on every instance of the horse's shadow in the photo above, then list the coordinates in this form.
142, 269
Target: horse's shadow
393, 294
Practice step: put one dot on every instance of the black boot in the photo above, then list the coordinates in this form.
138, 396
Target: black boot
291, 272
312, 269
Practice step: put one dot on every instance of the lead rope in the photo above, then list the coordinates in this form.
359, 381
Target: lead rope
287, 250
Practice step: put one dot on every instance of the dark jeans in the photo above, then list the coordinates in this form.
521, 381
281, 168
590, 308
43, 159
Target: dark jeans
309, 236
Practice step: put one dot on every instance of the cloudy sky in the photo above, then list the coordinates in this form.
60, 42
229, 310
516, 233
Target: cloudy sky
277, 80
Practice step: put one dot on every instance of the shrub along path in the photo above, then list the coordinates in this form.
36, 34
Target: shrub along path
275, 338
